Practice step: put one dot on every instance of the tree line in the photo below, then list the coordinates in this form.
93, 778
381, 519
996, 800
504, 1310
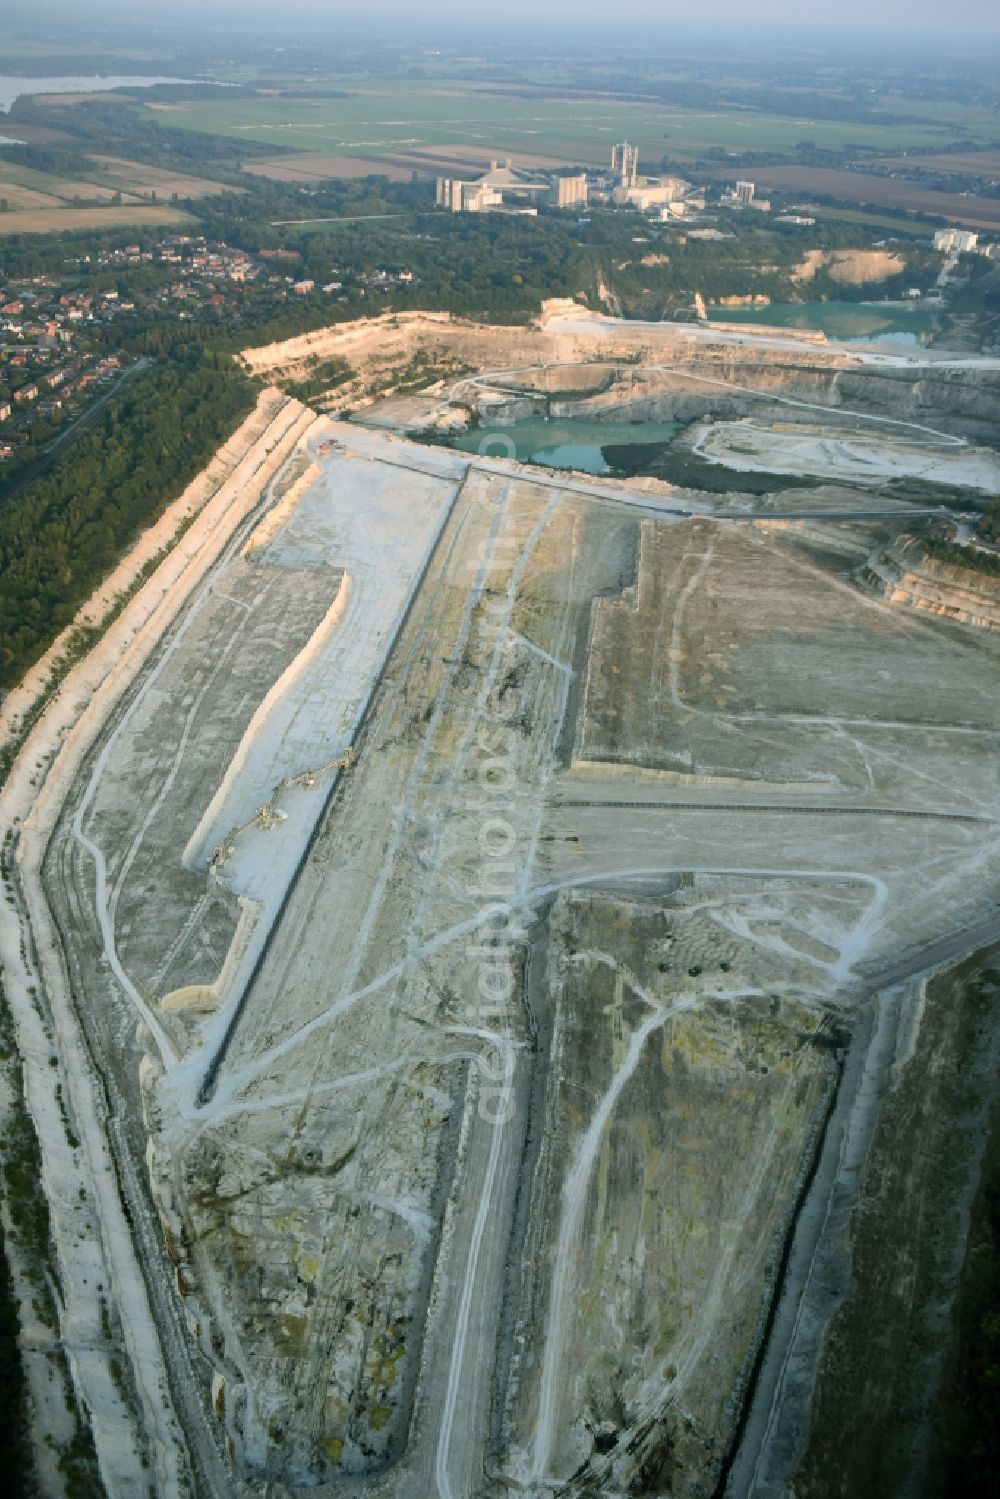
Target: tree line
62, 534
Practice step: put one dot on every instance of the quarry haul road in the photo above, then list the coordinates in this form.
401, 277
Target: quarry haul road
653, 505
937, 955
573, 1202
664, 805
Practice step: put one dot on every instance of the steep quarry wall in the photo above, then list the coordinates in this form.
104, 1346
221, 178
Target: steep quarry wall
373, 346
657, 372
904, 574
945, 399
851, 267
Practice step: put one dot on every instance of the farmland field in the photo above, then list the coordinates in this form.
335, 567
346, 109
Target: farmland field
882, 192
973, 163
113, 178
869, 218
49, 186
52, 220
374, 120
139, 177
309, 167
398, 165
20, 196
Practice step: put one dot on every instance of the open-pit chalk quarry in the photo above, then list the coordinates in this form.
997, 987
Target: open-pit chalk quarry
464, 902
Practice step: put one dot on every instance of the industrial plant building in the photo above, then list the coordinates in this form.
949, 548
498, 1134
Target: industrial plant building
744, 195
490, 192
507, 189
570, 192
625, 164
649, 195
960, 241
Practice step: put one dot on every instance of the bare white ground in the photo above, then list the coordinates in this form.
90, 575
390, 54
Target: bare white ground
355, 515
751, 447
595, 326
352, 516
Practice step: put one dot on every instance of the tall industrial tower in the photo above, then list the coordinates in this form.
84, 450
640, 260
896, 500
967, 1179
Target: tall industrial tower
625, 164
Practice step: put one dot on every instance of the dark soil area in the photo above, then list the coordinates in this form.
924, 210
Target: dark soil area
902, 1323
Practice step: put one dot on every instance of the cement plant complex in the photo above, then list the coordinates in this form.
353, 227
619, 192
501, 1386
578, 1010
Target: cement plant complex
506, 189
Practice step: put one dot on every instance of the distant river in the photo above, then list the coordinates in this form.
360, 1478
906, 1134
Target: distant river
12, 88
849, 322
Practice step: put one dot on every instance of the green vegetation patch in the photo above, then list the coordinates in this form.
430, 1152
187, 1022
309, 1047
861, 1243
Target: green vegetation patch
971, 559
965, 1444
325, 376
65, 531
57, 160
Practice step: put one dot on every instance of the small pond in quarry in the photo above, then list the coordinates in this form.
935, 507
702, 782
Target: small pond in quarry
563, 442
847, 322
579, 443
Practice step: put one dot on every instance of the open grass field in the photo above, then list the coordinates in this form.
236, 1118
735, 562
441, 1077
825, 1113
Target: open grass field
39, 135
976, 119
13, 172
870, 220
376, 120
52, 220
70, 190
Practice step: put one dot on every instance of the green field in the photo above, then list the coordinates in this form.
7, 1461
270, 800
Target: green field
403, 116
901, 227
975, 119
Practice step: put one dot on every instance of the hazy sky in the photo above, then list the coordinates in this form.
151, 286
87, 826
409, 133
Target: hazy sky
967, 15
626, 20
978, 15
